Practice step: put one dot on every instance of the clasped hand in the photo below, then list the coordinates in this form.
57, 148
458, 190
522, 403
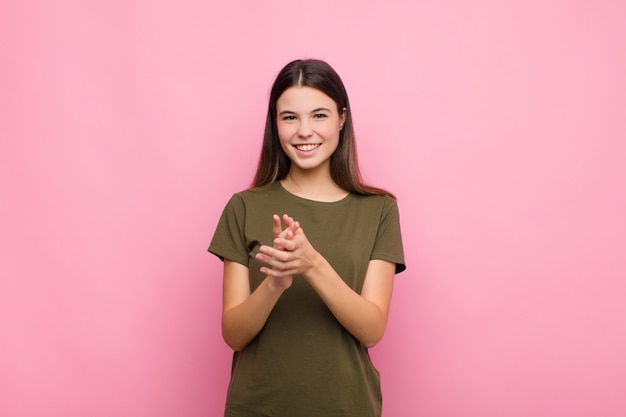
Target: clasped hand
291, 254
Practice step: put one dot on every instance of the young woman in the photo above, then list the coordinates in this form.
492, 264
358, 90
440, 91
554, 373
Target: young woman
306, 294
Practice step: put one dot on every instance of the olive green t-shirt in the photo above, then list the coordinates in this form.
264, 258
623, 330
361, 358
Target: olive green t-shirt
303, 363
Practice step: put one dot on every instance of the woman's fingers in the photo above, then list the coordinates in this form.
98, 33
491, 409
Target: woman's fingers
290, 226
286, 244
276, 225
277, 269
284, 258
290, 223
271, 255
278, 273
288, 220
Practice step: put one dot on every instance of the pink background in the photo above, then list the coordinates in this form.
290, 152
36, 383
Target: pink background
126, 125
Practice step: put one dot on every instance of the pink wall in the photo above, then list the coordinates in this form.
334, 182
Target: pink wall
125, 127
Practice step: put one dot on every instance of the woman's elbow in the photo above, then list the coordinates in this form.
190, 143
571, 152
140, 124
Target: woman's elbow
371, 340
369, 345
233, 342
233, 336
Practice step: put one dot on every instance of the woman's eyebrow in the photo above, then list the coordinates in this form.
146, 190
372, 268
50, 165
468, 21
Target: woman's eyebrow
312, 111
320, 109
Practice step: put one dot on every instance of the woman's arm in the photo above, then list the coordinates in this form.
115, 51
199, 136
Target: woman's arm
244, 314
363, 315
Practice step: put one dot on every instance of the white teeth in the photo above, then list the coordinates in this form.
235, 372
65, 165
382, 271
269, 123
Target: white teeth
307, 148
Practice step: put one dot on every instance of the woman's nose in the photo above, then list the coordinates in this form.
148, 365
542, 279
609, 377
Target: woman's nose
305, 129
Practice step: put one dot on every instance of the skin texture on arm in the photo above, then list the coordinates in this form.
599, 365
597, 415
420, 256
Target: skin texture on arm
244, 314
363, 315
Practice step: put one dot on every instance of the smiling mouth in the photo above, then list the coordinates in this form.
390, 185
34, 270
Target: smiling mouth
307, 147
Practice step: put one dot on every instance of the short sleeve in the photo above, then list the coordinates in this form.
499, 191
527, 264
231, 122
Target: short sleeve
229, 239
388, 245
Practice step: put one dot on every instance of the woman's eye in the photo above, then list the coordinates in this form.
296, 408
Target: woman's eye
320, 116
289, 118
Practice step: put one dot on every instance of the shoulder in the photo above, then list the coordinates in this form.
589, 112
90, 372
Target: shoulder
384, 202
253, 195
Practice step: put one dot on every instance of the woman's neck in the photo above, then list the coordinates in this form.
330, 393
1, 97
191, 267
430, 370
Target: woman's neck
318, 186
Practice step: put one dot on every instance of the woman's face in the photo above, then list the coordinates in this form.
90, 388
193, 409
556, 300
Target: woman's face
308, 127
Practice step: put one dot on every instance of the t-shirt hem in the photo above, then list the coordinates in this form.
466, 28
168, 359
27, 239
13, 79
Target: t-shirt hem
400, 265
223, 254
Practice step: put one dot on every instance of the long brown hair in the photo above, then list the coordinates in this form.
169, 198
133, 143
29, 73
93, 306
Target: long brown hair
344, 168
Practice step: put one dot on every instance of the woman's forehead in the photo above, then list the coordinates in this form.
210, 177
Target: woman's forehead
303, 98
